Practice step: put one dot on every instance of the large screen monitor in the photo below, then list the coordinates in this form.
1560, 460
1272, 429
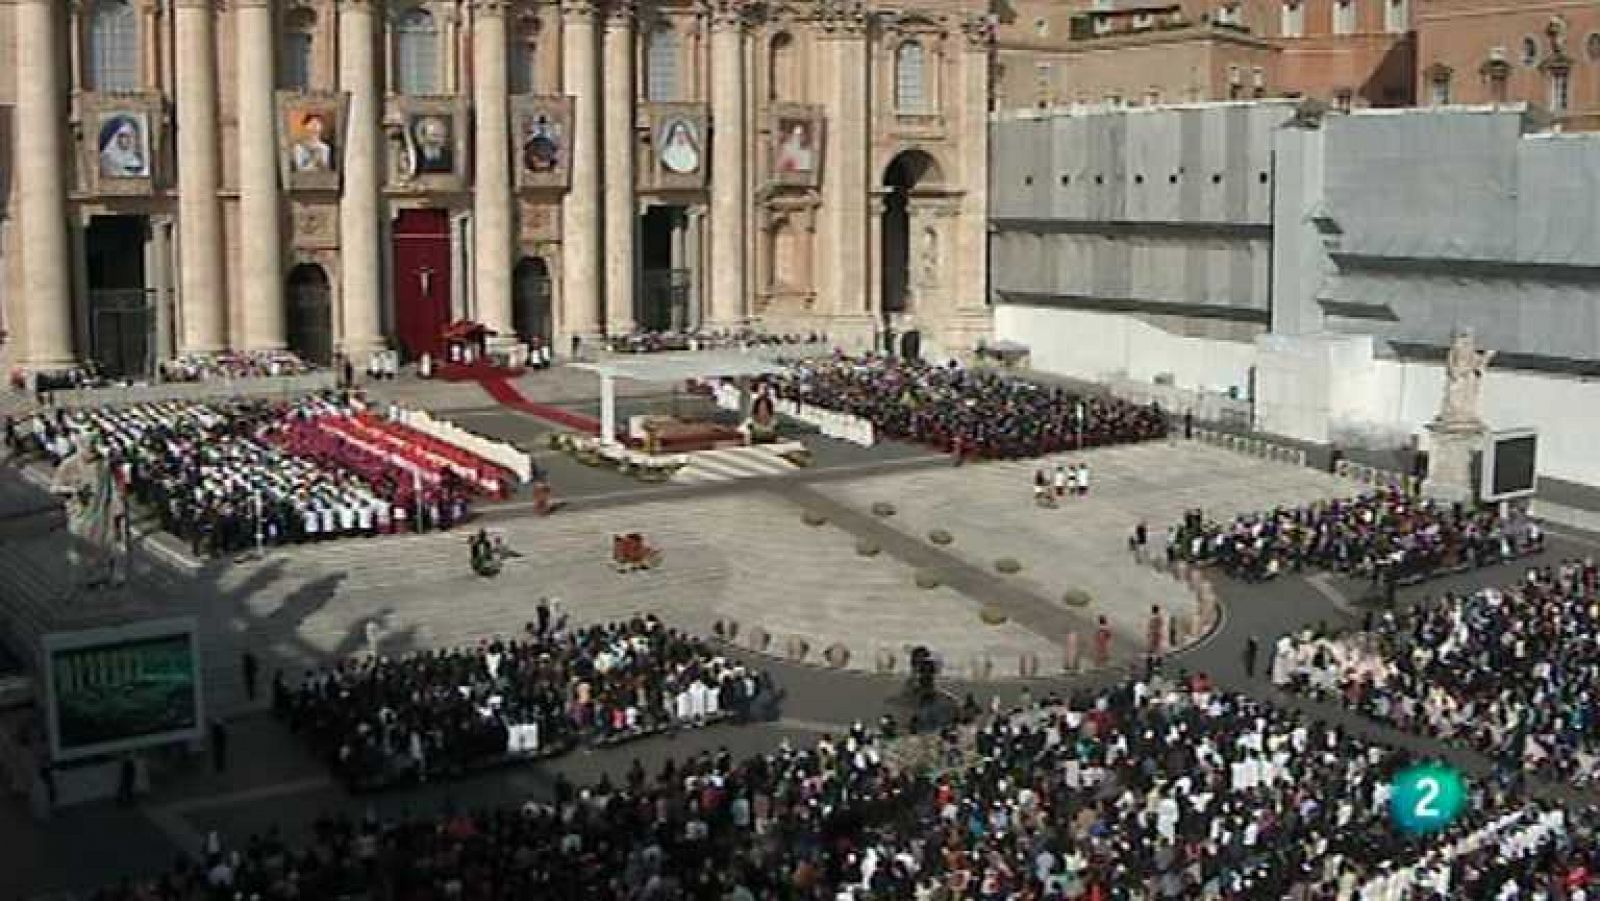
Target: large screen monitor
122, 688
1510, 465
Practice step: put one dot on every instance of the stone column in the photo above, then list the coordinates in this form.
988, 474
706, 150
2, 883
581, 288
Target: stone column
158, 265
695, 251
261, 246
491, 198
580, 213
359, 256
202, 292
728, 197
852, 233
41, 189
620, 214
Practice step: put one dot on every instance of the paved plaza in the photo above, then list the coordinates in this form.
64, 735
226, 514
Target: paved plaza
735, 551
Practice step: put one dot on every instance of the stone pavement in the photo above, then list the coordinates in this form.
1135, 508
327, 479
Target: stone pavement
732, 551
989, 510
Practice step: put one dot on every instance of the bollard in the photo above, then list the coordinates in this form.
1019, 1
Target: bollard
885, 660
837, 655
1072, 657
1028, 665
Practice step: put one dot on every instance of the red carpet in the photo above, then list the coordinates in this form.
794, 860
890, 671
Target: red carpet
508, 396
478, 370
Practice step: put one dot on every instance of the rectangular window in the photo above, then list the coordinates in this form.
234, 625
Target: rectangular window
1396, 18
1497, 87
521, 79
294, 73
1344, 16
1441, 92
1560, 91
1294, 18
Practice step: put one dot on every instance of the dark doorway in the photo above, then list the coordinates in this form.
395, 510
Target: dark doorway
530, 299
421, 280
309, 301
121, 318
906, 172
664, 274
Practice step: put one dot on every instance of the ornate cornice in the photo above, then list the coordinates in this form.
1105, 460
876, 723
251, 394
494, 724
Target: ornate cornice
842, 17
620, 13
723, 14
578, 7
491, 7
979, 29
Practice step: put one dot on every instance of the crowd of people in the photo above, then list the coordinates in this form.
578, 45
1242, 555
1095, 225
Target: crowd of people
233, 365
646, 341
1514, 673
224, 476
1146, 790
966, 411
1386, 534
379, 722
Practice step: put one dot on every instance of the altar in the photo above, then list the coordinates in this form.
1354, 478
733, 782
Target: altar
655, 434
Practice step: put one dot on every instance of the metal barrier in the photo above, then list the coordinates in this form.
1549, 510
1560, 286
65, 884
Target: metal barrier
269, 387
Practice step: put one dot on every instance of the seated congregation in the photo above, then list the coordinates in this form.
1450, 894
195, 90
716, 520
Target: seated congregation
1140, 790
1386, 534
385, 722
321, 467
966, 411
645, 342
1512, 672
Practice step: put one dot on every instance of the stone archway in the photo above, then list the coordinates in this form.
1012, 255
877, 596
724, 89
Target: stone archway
909, 171
308, 301
530, 299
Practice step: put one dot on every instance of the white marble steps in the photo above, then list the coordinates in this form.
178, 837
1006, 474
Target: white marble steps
730, 464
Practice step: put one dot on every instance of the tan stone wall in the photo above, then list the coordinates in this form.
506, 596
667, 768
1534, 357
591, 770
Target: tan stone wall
831, 263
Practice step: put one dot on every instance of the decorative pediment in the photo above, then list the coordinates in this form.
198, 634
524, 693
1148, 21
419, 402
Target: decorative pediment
1438, 72
1558, 61
1495, 69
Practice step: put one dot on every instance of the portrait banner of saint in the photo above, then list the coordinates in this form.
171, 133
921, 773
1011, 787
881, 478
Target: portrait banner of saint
678, 141
678, 144
430, 140
310, 136
311, 140
797, 149
124, 145
542, 149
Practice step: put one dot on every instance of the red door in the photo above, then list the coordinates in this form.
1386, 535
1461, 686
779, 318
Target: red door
421, 280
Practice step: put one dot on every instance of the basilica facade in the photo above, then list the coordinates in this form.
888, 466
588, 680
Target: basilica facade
189, 176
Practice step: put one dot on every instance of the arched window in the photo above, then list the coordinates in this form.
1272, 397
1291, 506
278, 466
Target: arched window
910, 84
113, 46
661, 66
299, 41
783, 76
416, 53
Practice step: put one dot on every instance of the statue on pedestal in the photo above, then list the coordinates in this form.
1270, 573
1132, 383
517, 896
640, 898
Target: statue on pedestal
1457, 433
1464, 370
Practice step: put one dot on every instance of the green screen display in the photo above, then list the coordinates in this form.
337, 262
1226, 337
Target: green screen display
127, 690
